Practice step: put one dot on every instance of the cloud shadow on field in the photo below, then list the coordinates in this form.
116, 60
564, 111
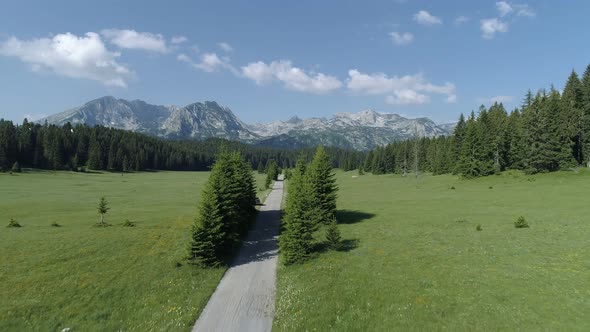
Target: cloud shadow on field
352, 217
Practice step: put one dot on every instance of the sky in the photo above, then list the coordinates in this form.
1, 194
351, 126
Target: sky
271, 60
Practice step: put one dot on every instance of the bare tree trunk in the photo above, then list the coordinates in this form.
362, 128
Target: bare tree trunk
102, 219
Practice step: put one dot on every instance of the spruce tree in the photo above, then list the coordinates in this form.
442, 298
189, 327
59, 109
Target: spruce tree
586, 118
16, 167
572, 116
321, 178
333, 237
103, 209
296, 239
207, 233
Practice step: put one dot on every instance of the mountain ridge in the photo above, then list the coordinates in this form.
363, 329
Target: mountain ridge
361, 131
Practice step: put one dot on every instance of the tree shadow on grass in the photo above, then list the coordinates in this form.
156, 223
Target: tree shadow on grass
345, 246
352, 217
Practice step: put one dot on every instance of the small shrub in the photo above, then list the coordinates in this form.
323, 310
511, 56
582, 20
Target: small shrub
128, 223
55, 224
178, 264
13, 223
490, 187
452, 187
521, 223
478, 228
333, 236
16, 167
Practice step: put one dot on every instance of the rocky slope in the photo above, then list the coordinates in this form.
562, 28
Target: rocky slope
363, 130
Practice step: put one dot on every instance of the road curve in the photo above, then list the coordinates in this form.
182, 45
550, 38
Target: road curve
245, 297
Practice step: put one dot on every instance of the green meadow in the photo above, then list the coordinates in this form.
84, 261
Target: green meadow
100, 279
413, 259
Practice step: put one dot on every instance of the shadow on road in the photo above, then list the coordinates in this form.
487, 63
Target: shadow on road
261, 243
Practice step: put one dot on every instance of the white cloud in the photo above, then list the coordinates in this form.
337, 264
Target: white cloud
524, 10
461, 20
210, 62
225, 47
178, 39
292, 77
72, 56
495, 99
490, 26
405, 90
401, 38
425, 18
132, 39
504, 8
407, 97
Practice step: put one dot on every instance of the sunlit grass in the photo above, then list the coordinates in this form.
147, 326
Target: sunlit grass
418, 262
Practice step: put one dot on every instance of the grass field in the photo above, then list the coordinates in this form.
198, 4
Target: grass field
415, 261
100, 279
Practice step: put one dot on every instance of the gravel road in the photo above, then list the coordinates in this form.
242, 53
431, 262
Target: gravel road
244, 299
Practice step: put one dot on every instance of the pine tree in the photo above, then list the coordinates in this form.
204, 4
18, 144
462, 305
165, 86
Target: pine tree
296, 240
586, 119
333, 237
207, 235
103, 209
260, 168
572, 116
321, 178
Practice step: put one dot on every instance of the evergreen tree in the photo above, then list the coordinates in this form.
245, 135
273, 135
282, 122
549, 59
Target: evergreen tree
321, 178
260, 168
103, 209
572, 116
333, 237
296, 239
586, 117
207, 232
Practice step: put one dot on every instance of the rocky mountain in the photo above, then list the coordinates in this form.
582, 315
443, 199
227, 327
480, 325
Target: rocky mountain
363, 130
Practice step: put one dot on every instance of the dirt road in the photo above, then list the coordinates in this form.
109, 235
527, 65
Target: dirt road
244, 299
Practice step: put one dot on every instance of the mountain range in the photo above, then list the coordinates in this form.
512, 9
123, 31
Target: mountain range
363, 130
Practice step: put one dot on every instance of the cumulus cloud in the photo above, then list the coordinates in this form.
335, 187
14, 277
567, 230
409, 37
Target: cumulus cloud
178, 39
292, 77
401, 38
495, 99
405, 90
72, 56
225, 47
491, 26
209, 62
132, 39
425, 18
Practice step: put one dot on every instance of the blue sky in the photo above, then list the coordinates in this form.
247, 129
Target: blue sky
270, 60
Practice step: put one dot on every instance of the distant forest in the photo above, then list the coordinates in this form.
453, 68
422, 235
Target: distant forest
101, 148
549, 132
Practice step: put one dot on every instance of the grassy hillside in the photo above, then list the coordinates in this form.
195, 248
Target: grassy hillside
88, 278
413, 259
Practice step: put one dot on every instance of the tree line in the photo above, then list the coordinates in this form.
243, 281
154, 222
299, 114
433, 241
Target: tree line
549, 132
310, 203
82, 147
226, 210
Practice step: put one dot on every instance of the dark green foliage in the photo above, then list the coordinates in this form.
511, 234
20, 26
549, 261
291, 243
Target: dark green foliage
16, 167
55, 224
288, 173
102, 210
478, 228
226, 210
321, 178
333, 238
521, 223
13, 223
361, 172
272, 173
100, 148
296, 240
